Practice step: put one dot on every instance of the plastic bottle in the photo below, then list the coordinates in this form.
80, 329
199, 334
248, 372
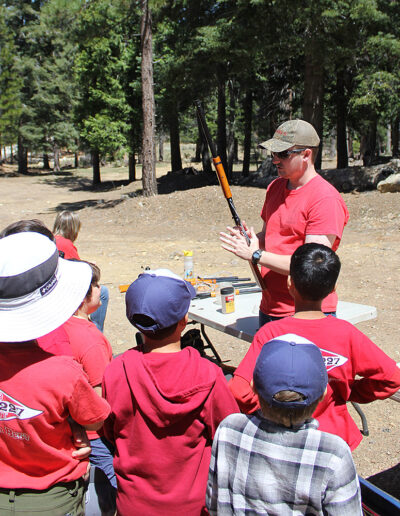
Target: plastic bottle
227, 300
188, 265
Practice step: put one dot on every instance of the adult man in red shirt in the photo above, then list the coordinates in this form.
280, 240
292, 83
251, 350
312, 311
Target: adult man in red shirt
300, 207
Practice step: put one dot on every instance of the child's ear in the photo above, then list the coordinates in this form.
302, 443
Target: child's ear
252, 386
183, 322
290, 285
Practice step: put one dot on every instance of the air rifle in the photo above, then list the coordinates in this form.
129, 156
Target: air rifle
223, 181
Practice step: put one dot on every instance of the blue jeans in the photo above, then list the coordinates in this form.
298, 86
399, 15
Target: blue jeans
105, 481
99, 315
264, 318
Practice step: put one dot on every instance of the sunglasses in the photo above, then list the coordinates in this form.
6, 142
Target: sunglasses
286, 153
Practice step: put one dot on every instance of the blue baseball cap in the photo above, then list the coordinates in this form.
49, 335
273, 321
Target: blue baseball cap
161, 296
292, 363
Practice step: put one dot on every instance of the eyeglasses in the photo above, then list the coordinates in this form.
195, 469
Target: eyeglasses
286, 153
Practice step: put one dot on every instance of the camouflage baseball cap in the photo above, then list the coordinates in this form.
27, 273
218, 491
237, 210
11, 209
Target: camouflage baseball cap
290, 133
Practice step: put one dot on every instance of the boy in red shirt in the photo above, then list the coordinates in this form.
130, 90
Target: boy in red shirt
39, 391
347, 352
167, 403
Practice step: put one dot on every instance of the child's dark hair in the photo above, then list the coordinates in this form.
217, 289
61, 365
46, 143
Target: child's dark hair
314, 269
33, 225
291, 415
145, 320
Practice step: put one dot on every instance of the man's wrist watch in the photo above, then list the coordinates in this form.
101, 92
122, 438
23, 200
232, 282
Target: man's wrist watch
256, 256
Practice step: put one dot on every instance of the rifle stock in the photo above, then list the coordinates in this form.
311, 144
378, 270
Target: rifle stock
223, 181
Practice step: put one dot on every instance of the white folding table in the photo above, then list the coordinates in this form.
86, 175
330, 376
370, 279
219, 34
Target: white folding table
243, 322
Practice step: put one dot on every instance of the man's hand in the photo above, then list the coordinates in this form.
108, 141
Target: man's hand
236, 243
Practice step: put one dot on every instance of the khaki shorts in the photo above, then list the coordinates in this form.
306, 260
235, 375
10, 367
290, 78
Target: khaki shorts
64, 499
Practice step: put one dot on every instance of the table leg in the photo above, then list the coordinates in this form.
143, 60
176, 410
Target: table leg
209, 344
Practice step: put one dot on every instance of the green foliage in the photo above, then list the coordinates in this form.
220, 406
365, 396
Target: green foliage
10, 85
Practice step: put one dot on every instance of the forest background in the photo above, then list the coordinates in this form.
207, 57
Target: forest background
72, 77
73, 80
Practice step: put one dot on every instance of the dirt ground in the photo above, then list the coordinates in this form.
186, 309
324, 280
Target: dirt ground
124, 232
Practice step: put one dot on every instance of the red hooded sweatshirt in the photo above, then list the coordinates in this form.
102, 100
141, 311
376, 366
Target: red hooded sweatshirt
165, 409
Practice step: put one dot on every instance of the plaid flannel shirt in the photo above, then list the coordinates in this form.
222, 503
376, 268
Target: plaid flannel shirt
258, 467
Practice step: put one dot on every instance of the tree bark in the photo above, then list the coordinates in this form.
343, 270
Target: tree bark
204, 153
231, 131
313, 104
46, 162
248, 118
341, 117
368, 144
96, 168
22, 157
148, 141
132, 167
176, 160
56, 167
395, 136
197, 157
221, 122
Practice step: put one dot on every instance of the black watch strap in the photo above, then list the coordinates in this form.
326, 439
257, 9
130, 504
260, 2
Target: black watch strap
256, 256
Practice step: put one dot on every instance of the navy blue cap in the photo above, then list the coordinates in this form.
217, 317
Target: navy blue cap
292, 363
159, 295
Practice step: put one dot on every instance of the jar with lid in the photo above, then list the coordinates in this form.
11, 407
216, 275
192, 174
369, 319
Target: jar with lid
227, 300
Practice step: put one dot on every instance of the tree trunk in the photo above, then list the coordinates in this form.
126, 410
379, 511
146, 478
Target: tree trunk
248, 117
368, 144
231, 132
46, 163
56, 167
148, 141
11, 155
221, 122
22, 157
176, 160
197, 157
76, 160
96, 168
313, 104
341, 117
350, 150
132, 167
395, 136
205, 155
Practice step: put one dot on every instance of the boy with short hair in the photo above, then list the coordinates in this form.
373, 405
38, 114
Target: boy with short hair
166, 405
277, 461
347, 352
39, 391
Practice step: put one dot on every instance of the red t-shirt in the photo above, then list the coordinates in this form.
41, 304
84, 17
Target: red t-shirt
347, 353
56, 342
289, 215
166, 408
91, 349
66, 248
38, 392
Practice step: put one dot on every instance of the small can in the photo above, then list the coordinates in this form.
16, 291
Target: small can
227, 300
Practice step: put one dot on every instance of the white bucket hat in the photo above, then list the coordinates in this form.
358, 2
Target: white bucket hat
38, 290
